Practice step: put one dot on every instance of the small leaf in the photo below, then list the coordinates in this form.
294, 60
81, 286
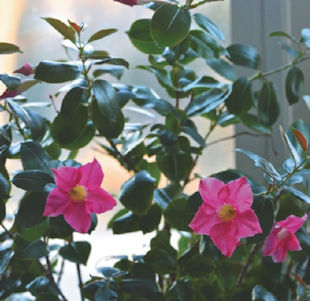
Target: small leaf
65, 30
294, 85
305, 34
252, 122
5, 258
298, 194
222, 67
209, 26
7, 48
268, 106
301, 139
244, 55
41, 285
77, 252
170, 25
101, 34
260, 293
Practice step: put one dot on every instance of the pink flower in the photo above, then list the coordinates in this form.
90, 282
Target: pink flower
282, 238
128, 2
26, 70
225, 214
141, 2
78, 194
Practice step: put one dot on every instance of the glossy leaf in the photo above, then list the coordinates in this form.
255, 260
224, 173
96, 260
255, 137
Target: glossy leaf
209, 26
222, 67
268, 106
305, 34
140, 37
294, 85
5, 258
260, 293
244, 55
7, 48
65, 30
252, 122
101, 34
170, 25
298, 194
137, 192
56, 72
77, 252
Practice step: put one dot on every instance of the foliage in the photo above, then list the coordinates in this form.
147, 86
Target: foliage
92, 109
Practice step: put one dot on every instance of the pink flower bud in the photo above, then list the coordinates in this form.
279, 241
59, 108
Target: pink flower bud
26, 70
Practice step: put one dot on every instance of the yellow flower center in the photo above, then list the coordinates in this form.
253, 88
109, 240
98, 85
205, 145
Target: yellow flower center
282, 234
227, 213
78, 193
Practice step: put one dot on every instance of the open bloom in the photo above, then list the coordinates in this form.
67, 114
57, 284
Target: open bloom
225, 214
282, 238
78, 194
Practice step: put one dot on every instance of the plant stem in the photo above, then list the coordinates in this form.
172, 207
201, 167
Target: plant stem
243, 271
61, 271
49, 275
260, 75
7, 231
80, 280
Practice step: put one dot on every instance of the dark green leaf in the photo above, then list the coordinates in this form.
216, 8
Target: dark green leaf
298, 194
260, 293
4, 188
140, 37
41, 285
116, 71
113, 61
197, 266
160, 261
162, 241
252, 122
65, 30
101, 34
59, 227
244, 55
33, 156
29, 250
32, 180
137, 192
222, 67
164, 196
175, 167
181, 290
208, 26
56, 72
170, 25
7, 48
139, 287
12, 82
5, 258
240, 100
106, 294
282, 34
263, 208
268, 106
77, 252
294, 84
2, 211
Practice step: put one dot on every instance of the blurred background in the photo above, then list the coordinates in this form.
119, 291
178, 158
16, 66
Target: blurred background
21, 24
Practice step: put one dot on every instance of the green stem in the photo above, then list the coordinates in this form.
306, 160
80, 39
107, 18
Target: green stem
201, 3
7, 231
261, 75
80, 281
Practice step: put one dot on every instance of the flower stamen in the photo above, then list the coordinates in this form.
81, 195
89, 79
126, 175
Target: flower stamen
227, 213
78, 193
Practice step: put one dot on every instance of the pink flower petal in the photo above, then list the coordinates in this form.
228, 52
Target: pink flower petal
66, 177
280, 253
98, 200
91, 174
271, 243
225, 237
26, 70
56, 203
209, 189
128, 2
247, 223
292, 223
8, 94
292, 243
203, 222
78, 217
240, 196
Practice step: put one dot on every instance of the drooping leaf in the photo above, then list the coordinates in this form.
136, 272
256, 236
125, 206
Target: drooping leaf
65, 30
170, 25
7, 48
222, 67
298, 194
101, 34
252, 122
294, 84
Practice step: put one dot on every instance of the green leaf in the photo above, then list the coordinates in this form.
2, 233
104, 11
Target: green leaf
106, 112
59, 228
113, 61
244, 55
294, 84
35, 232
116, 71
164, 196
137, 193
175, 167
77, 252
179, 214
29, 250
65, 30
189, 127
7, 48
139, 287
260, 293
222, 67
4, 188
160, 261
252, 122
56, 72
263, 208
282, 34
162, 241
106, 294
170, 25
32, 180
12, 82
5, 258
140, 36
298, 194
101, 34
206, 24
268, 106
41, 285
2, 211
33, 156
181, 290
197, 266
240, 100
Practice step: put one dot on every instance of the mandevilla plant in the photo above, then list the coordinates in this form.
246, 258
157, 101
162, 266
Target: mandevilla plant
237, 239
